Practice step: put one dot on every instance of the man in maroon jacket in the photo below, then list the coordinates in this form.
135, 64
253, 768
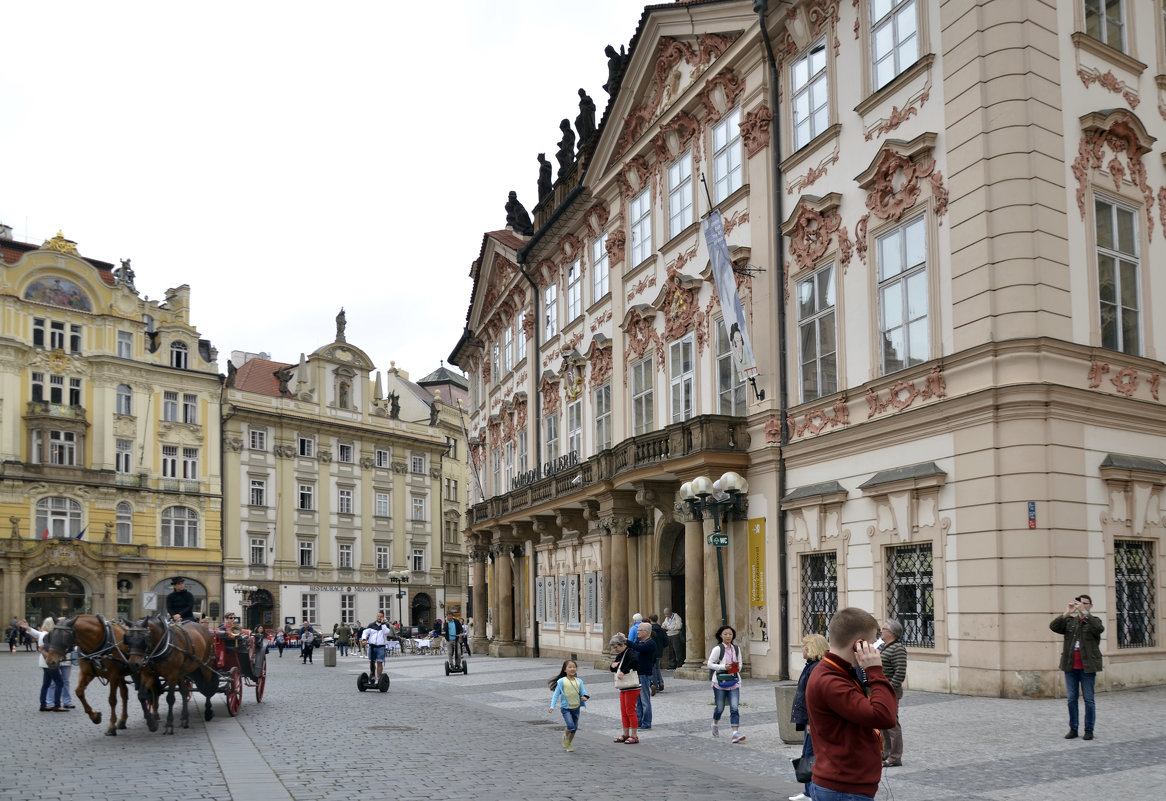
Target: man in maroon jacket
846, 714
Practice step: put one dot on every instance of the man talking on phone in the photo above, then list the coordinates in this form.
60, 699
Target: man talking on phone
846, 712
1080, 658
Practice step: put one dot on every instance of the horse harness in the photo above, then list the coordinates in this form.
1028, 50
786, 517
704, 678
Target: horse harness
109, 645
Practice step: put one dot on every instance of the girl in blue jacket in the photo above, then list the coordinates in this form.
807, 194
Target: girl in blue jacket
570, 697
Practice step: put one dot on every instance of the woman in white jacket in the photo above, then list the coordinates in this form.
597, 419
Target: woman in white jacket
724, 666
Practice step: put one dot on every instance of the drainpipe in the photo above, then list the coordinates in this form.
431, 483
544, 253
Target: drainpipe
762, 7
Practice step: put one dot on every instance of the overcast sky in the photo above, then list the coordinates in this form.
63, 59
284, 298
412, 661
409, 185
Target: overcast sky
286, 159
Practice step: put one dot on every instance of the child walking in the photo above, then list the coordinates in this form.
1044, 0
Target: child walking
570, 697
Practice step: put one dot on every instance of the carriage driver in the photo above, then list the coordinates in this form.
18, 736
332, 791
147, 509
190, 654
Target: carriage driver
377, 637
180, 603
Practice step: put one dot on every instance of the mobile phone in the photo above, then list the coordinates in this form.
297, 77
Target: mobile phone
858, 644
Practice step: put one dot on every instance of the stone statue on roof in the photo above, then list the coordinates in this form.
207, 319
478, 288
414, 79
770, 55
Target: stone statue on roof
341, 324
517, 218
615, 63
544, 177
232, 370
394, 406
566, 154
125, 274
585, 122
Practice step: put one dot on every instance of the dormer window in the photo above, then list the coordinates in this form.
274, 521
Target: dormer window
179, 356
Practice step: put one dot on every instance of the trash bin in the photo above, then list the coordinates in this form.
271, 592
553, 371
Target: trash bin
329, 656
785, 690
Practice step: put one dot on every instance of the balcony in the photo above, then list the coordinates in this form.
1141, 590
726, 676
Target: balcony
60, 411
704, 434
183, 486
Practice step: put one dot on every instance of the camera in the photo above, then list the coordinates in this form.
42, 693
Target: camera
878, 643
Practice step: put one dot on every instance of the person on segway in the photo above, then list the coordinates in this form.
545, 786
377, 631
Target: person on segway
376, 636
455, 633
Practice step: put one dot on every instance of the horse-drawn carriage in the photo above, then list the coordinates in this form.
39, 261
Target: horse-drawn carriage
239, 658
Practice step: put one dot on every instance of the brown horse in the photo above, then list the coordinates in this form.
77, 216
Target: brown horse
168, 656
102, 657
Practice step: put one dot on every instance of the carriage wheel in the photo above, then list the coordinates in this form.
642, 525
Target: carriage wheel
234, 692
260, 682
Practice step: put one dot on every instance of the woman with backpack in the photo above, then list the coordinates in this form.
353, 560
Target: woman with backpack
724, 666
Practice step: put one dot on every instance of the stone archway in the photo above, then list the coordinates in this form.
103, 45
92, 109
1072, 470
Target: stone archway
55, 595
421, 611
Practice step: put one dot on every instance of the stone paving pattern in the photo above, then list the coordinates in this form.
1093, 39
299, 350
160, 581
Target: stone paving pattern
487, 735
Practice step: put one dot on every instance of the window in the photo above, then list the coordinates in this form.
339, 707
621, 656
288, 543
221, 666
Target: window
418, 509
894, 38
63, 448
190, 409
190, 464
575, 426
730, 385
521, 448
417, 463
74, 339
643, 416
1105, 22
680, 194
344, 555
179, 356
38, 387
381, 506
640, 214
574, 290
819, 591
169, 461
74, 391
382, 457
56, 389
306, 447
451, 489
509, 464
520, 337
125, 523
125, 344
903, 297
911, 594
308, 607
347, 609
451, 447
258, 492
307, 550
810, 92
508, 349
551, 449
123, 456
258, 438
681, 378
551, 307
418, 560
38, 332
727, 155
307, 493
385, 605
344, 453
496, 361
59, 518
179, 527
344, 501
382, 557
1118, 268
599, 277
125, 398
57, 336
38, 447
602, 413
258, 551
816, 334
1133, 565
170, 407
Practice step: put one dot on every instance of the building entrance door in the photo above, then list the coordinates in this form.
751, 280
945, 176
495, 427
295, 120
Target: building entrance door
57, 595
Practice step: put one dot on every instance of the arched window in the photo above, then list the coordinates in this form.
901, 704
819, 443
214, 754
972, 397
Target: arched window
125, 523
179, 527
179, 355
59, 517
125, 399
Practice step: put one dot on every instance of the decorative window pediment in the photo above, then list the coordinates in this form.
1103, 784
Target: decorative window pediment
1134, 485
816, 511
906, 498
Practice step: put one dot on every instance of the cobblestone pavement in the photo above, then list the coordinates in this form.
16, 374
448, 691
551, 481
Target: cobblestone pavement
488, 735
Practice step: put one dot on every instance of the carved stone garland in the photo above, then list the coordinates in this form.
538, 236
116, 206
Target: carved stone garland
895, 188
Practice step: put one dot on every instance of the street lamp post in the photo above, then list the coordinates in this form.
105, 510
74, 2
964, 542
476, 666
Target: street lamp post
400, 578
724, 497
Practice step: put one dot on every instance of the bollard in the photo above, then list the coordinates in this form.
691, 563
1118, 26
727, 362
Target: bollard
329, 656
786, 691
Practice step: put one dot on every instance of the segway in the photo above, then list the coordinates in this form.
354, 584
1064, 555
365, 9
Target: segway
454, 661
365, 681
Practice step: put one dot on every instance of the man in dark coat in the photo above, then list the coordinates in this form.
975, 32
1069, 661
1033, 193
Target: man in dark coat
1080, 658
179, 603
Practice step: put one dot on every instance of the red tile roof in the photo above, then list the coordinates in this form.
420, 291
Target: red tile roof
258, 376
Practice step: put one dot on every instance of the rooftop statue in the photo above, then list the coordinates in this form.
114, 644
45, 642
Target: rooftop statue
517, 218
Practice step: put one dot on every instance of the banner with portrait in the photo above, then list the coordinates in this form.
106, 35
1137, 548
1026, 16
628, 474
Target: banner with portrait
734, 314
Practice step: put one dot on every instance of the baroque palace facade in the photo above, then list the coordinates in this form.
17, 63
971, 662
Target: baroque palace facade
941, 219
345, 493
109, 443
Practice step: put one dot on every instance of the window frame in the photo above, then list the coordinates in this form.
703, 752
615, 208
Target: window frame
345, 501
919, 629
306, 552
903, 278
305, 492
170, 406
1125, 575
680, 194
682, 381
574, 293
891, 18
125, 344
170, 529
640, 226
258, 552
125, 400
1100, 14
817, 80
575, 427
257, 439
600, 269
382, 504
643, 396
728, 152
551, 309
1120, 258
601, 408
179, 356
258, 492
816, 319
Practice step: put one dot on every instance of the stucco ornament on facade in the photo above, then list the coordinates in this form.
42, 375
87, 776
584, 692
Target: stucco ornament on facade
1125, 381
805, 24
903, 393
812, 232
803, 182
720, 93
1107, 80
549, 390
616, 242
755, 130
596, 219
641, 333
894, 183
1123, 134
816, 421
600, 360
898, 116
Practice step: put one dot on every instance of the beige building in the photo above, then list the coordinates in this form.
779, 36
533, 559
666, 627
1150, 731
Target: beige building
109, 412
346, 496
941, 245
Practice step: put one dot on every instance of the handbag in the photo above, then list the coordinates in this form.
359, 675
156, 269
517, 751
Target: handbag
804, 769
630, 681
726, 680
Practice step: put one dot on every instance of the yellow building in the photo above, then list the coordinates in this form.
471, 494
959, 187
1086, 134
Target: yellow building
346, 499
108, 438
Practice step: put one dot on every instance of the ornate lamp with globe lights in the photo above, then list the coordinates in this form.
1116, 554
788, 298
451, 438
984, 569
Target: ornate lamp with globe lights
726, 499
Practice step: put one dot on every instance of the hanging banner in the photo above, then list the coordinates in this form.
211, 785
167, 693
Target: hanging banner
739, 341
758, 618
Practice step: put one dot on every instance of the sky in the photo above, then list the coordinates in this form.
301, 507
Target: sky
286, 159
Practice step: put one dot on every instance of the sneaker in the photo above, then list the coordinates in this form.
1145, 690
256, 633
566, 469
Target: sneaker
799, 797
566, 743
738, 737
1072, 735
569, 747
716, 731
1088, 735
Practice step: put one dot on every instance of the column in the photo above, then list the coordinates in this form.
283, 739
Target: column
479, 558
695, 639
618, 581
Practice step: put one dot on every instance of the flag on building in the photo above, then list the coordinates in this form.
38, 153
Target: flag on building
81, 533
45, 536
734, 314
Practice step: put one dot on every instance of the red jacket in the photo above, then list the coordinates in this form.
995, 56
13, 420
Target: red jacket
844, 724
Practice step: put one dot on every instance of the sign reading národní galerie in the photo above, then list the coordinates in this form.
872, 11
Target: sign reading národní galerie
342, 588
546, 470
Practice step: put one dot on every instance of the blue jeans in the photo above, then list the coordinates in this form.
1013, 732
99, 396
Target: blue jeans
1078, 682
732, 696
822, 794
51, 677
644, 702
66, 698
343, 648
657, 677
571, 717
807, 753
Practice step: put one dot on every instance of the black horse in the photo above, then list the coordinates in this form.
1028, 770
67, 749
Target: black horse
168, 657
